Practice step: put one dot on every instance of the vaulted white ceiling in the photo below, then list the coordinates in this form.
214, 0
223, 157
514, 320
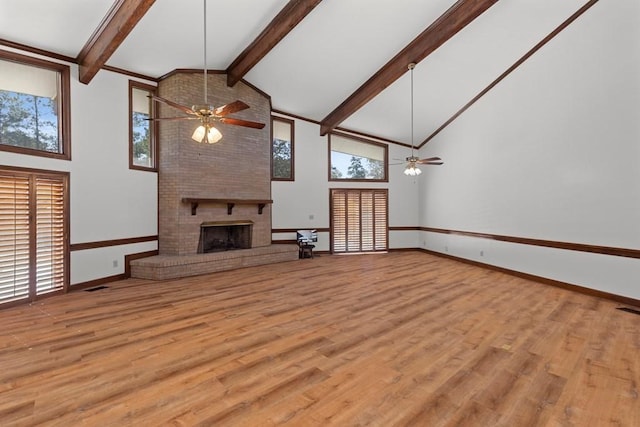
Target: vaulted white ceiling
322, 61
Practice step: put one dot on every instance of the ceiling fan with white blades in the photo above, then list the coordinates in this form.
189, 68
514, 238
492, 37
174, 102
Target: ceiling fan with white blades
205, 112
413, 161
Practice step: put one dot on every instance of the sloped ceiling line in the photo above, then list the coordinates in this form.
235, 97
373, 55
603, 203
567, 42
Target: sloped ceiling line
285, 21
442, 29
114, 28
515, 65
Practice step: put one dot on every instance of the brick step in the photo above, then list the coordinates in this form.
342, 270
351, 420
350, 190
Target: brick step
163, 267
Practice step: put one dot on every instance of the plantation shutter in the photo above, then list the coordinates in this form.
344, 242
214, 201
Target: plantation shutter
50, 234
366, 221
353, 221
339, 224
380, 220
14, 237
32, 234
359, 220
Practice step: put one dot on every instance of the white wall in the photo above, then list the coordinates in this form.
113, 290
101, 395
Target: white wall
108, 200
294, 202
552, 153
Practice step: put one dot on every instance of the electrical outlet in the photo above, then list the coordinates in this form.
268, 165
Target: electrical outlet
481, 253
311, 216
115, 263
446, 248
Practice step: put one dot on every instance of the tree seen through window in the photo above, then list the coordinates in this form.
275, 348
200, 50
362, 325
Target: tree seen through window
141, 139
281, 158
29, 121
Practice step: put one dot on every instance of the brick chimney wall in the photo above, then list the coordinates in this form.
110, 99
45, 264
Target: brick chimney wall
237, 167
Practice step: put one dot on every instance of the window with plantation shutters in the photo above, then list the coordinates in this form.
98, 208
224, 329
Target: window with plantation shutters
32, 234
359, 220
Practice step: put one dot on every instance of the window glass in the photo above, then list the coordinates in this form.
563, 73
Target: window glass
356, 159
282, 150
142, 130
31, 105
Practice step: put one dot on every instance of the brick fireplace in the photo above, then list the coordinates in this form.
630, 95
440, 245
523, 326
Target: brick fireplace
229, 181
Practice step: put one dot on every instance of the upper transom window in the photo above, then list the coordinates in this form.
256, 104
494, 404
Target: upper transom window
356, 159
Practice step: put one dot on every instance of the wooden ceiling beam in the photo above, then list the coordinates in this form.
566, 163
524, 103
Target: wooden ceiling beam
114, 28
442, 29
285, 21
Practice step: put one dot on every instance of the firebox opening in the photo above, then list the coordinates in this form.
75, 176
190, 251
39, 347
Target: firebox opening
218, 236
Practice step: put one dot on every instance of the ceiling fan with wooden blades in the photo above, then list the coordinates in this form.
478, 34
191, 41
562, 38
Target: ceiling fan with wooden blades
205, 112
413, 161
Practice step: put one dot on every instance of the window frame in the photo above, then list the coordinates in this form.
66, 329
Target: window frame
153, 127
64, 120
363, 141
291, 123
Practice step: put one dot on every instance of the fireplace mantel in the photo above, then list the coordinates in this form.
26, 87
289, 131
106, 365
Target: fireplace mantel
195, 202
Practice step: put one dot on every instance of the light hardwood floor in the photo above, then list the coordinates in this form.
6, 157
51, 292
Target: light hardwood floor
399, 339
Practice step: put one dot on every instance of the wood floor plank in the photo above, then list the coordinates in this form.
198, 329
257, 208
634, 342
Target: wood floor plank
398, 339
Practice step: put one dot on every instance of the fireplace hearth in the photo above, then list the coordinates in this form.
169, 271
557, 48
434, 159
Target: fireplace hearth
219, 236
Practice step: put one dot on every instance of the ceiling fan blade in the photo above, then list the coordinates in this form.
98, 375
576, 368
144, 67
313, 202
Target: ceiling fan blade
432, 163
172, 104
227, 109
430, 159
240, 122
172, 118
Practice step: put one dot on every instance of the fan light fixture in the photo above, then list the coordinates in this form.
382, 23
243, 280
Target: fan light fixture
206, 132
412, 166
412, 169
